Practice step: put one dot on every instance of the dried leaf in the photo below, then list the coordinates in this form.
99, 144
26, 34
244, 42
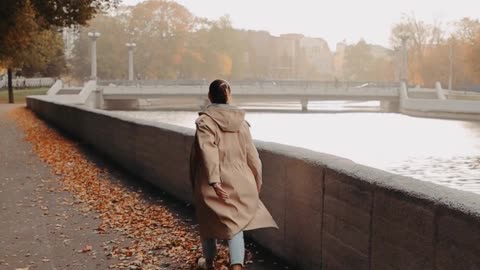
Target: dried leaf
151, 226
87, 248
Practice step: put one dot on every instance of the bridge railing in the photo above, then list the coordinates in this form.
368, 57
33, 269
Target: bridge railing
468, 88
252, 83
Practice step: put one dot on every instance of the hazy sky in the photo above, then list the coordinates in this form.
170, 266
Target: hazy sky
333, 20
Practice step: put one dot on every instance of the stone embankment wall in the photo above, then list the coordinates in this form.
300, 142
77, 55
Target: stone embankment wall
332, 212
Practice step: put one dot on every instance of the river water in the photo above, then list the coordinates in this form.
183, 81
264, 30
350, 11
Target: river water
445, 152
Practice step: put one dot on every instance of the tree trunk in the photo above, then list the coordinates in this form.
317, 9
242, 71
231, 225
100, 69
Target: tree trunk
10, 87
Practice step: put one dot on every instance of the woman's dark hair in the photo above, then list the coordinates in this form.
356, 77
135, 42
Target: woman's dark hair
219, 91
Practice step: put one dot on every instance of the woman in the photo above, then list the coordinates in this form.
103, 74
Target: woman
226, 175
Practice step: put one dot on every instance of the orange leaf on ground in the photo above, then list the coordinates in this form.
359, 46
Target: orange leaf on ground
87, 248
153, 229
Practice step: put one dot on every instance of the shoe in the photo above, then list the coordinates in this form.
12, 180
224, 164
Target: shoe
203, 265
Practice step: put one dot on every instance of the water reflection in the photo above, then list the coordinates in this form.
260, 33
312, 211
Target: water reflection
442, 151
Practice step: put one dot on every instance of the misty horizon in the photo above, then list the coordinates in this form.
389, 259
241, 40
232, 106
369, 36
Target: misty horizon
332, 22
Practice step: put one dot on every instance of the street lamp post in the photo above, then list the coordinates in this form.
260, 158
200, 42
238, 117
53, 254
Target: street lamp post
130, 47
451, 55
93, 36
404, 39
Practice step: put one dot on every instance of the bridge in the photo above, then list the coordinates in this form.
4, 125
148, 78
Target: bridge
302, 92
192, 95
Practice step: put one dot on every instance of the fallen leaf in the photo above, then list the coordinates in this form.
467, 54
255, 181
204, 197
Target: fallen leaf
87, 248
149, 224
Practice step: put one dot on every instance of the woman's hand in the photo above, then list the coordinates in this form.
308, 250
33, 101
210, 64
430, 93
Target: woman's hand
221, 193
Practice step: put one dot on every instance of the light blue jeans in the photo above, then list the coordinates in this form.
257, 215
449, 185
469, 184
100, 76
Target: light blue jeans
236, 247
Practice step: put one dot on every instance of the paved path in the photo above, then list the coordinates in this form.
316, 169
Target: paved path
44, 227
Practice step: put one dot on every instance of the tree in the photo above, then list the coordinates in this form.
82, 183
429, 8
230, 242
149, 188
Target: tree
467, 51
382, 69
420, 38
358, 60
44, 55
111, 49
467, 29
21, 19
161, 28
435, 65
431, 54
15, 40
439, 58
171, 44
224, 50
224, 64
361, 64
474, 56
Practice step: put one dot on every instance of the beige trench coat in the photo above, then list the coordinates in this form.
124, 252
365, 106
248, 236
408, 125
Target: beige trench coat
224, 152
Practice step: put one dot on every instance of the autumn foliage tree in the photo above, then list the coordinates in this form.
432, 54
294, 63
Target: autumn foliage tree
435, 56
43, 55
23, 20
111, 44
360, 64
161, 30
421, 37
171, 44
474, 56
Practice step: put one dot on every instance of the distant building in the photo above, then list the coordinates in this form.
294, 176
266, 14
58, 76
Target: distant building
311, 57
289, 56
339, 59
259, 55
319, 58
380, 51
284, 51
